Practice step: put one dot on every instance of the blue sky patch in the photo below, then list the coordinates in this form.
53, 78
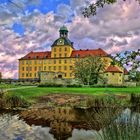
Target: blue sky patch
18, 28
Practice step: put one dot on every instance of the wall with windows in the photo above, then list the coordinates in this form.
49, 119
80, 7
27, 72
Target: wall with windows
61, 51
114, 78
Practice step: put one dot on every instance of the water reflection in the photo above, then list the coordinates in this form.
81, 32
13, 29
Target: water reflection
13, 128
64, 122
53, 123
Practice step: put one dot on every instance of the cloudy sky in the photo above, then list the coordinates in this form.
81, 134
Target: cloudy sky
32, 25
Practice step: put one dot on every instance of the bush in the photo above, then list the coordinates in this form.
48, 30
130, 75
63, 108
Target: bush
51, 85
75, 85
112, 86
16, 101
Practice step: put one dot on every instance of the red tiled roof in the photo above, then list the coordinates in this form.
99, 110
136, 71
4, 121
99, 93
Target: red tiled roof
83, 53
112, 68
75, 53
37, 55
125, 72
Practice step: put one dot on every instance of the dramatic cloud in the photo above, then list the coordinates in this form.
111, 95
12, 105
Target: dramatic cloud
115, 28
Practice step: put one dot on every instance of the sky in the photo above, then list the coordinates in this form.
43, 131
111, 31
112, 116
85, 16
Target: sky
33, 25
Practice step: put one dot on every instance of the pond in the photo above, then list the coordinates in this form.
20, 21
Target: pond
53, 123
64, 121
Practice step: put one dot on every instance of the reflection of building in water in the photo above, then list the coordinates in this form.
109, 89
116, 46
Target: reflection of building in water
62, 120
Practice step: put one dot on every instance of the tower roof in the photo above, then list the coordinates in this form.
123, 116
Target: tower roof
66, 42
63, 28
113, 68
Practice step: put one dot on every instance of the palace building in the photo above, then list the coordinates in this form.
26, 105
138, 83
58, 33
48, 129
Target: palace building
59, 62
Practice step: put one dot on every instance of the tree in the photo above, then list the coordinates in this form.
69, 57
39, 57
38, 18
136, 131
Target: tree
92, 8
89, 69
130, 59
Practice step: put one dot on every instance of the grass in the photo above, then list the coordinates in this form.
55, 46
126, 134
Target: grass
33, 92
7, 86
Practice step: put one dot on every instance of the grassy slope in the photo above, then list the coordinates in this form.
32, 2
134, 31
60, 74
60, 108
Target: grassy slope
37, 91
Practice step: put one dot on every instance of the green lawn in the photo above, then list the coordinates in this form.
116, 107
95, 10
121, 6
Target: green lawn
30, 93
7, 86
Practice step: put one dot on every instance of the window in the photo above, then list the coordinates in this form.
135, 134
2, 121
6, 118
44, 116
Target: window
35, 75
65, 61
54, 67
30, 74
22, 74
54, 49
39, 68
30, 68
70, 61
71, 67
23, 62
35, 68
35, 62
54, 55
39, 62
70, 74
44, 61
44, 67
26, 74
26, 61
49, 61
65, 74
65, 55
65, 49
65, 68
60, 49
49, 67
30, 62
54, 61
59, 67
59, 61
60, 55
22, 68
26, 68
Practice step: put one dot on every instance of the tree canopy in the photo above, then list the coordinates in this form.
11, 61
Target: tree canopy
88, 70
91, 10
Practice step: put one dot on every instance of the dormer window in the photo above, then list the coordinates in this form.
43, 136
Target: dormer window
45, 57
77, 55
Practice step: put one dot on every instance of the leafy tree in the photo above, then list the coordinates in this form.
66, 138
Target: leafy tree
130, 59
88, 70
91, 10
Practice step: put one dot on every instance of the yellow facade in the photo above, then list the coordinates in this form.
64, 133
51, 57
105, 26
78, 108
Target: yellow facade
114, 78
59, 62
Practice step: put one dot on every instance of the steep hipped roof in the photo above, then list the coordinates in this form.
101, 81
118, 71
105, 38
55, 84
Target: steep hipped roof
114, 69
37, 55
75, 53
83, 53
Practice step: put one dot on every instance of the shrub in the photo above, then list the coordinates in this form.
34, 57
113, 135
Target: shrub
74, 85
16, 101
112, 86
50, 85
